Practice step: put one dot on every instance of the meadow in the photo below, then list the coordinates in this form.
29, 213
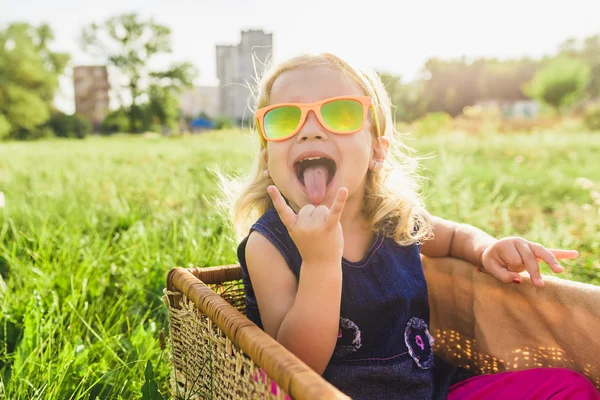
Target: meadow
90, 229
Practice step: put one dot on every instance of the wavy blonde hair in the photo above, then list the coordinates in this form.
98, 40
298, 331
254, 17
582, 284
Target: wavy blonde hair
393, 204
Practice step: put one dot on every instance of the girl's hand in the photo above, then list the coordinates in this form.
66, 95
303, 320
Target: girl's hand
316, 231
508, 256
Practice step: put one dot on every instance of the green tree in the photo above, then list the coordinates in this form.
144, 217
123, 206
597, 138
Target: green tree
503, 80
407, 98
560, 82
162, 108
5, 127
130, 44
587, 50
591, 53
451, 85
115, 122
29, 73
592, 117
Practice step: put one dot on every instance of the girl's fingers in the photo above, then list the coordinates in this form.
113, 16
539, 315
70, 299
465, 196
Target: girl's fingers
495, 269
564, 254
529, 260
543, 254
287, 215
510, 256
338, 207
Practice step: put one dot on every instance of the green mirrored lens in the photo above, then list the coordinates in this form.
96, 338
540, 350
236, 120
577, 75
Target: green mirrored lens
281, 121
343, 115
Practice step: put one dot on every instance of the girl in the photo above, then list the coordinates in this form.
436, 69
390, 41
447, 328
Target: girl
332, 266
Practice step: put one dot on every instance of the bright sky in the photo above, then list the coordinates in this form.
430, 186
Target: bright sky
396, 36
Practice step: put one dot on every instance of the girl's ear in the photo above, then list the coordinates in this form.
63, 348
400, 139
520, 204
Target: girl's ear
381, 147
265, 155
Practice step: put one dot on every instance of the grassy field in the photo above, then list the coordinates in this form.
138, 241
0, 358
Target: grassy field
90, 229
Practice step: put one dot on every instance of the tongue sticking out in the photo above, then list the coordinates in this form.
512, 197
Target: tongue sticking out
315, 180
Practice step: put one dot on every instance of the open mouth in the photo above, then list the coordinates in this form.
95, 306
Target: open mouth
315, 173
319, 164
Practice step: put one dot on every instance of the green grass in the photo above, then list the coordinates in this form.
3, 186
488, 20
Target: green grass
91, 228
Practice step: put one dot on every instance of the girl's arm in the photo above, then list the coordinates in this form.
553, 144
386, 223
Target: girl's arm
305, 319
503, 258
456, 240
303, 315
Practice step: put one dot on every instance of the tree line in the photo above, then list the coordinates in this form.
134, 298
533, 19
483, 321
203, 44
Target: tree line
30, 72
571, 75
147, 99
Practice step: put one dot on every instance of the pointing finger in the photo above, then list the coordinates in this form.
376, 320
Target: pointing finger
338, 206
287, 215
564, 254
547, 256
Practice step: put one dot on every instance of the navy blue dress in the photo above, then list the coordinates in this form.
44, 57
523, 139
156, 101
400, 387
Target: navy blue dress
384, 348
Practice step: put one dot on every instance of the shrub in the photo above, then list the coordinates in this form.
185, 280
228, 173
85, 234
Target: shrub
69, 126
224, 123
527, 125
559, 83
5, 127
433, 123
116, 121
592, 117
41, 132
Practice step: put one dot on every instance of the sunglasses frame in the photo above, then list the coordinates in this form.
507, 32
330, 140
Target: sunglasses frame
365, 101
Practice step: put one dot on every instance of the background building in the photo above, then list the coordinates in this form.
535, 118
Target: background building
91, 93
237, 69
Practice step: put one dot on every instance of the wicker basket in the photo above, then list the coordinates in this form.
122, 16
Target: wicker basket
477, 322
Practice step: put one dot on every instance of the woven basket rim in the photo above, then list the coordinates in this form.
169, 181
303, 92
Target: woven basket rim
288, 371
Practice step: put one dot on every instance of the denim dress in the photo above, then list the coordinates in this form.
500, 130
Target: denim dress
384, 348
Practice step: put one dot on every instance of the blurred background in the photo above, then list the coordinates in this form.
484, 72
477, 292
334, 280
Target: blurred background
115, 115
127, 66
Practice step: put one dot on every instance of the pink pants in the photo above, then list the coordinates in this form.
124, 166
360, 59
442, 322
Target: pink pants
538, 383
531, 384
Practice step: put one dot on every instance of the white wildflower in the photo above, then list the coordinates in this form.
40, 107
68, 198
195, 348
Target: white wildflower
596, 197
584, 183
2, 200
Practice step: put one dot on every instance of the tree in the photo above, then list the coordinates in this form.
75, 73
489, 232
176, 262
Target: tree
454, 84
130, 44
587, 50
591, 53
503, 80
560, 82
115, 122
5, 127
162, 105
162, 108
407, 98
29, 73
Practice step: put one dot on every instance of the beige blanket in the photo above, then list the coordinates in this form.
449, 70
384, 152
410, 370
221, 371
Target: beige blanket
488, 326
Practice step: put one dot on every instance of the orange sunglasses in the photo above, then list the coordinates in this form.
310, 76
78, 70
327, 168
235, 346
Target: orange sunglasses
343, 115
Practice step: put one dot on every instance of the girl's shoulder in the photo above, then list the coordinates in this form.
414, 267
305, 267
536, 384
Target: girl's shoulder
269, 218
272, 228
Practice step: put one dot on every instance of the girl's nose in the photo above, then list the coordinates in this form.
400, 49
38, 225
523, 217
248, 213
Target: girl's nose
312, 129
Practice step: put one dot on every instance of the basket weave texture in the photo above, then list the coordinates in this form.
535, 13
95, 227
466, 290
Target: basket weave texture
477, 323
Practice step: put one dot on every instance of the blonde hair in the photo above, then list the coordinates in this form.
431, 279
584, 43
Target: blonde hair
393, 204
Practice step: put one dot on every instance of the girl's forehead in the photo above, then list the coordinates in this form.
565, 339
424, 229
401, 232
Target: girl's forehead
310, 84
